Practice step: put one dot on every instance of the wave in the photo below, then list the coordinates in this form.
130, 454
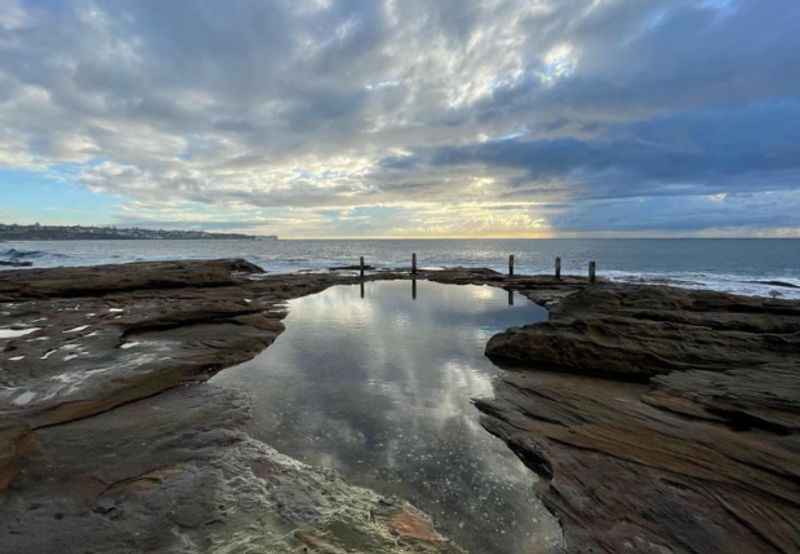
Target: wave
748, 285
14, 254
13, 258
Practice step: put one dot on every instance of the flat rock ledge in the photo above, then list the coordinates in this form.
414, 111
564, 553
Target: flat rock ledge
662, 420
111, 440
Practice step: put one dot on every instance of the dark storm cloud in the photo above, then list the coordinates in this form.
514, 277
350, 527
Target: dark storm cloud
268, 104
705, 152
678, 214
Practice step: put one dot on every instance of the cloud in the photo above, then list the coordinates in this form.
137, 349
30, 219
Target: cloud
560, 108
755, 148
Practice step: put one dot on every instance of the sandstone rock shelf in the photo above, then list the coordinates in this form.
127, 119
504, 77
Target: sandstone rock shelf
111, 441
662, 420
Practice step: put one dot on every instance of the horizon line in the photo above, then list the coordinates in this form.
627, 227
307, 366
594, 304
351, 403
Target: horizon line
538, 238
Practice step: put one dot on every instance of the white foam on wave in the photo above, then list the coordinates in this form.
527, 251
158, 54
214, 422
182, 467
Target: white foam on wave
24, 398
14, 333
746, 285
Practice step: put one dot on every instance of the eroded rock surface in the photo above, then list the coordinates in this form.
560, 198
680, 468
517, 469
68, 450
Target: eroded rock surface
662, 420
99, 337
110, 441
177, 473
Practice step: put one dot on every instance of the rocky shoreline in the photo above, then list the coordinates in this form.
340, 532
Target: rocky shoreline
661, 420
112, 441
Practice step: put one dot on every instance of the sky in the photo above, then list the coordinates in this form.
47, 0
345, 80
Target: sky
404, 118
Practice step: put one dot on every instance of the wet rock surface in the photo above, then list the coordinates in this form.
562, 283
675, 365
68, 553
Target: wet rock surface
110, 441
176, 473
145, 329
662, 420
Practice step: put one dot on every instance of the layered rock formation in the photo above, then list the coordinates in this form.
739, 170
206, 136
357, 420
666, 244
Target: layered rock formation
110, 441
662, 420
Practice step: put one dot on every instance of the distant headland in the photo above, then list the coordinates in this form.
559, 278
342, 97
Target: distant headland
82, 232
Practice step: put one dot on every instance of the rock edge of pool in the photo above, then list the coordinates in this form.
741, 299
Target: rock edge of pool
658, 419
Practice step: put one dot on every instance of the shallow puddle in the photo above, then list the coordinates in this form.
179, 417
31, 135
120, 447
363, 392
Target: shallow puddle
376, 381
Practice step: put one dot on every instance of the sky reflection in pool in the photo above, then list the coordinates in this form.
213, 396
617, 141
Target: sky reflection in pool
379, 388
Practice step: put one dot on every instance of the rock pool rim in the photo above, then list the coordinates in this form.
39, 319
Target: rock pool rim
367, 385
130, 299
211, 294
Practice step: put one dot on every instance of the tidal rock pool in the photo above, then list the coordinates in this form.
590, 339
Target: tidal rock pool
376, 381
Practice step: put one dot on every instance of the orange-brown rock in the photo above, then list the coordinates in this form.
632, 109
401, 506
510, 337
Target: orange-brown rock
16, 440
110, 441
662, 420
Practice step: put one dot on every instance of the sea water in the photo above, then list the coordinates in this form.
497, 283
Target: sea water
732, 265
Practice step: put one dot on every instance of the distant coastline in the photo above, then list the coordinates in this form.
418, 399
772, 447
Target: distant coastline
81, 232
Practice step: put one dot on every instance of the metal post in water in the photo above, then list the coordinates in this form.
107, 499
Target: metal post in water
558, 268
362, 267
511, 265
413, 289
592, 272
510, 297
414, 263
362, 289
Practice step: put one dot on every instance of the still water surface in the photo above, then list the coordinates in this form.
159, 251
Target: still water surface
379, 388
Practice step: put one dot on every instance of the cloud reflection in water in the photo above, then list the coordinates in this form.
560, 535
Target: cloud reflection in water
379, 387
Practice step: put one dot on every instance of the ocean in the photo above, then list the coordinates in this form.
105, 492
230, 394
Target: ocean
743, 266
